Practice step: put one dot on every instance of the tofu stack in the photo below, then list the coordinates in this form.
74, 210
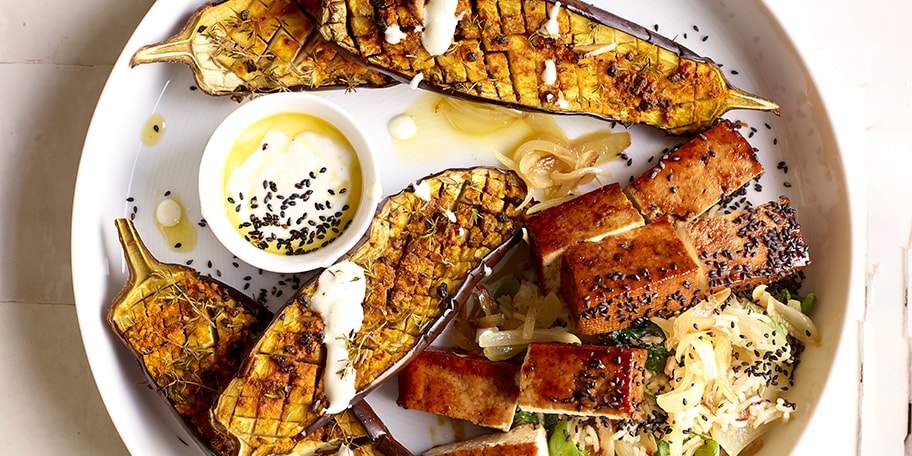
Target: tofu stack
526, 440
616, 255
694, 177
587, 380
757, 245
642, 272
612, 269
589, 217
474, 389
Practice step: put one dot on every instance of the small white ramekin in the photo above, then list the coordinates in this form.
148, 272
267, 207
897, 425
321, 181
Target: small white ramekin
212, 172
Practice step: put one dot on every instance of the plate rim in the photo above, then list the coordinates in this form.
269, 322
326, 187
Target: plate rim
856, 204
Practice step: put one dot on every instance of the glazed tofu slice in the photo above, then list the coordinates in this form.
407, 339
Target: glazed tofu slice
474, 389
591, 380
526, 440
744, 249
589, 217
690, 180
643, 272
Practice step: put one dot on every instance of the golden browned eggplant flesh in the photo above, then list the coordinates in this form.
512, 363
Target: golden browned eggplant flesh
189, 332
255, 46
561, 57
426, 249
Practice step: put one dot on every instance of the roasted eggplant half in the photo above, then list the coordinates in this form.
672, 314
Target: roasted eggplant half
559, 57
254, 46
189, 332
426, 249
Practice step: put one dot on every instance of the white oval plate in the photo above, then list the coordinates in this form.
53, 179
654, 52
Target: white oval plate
118, 176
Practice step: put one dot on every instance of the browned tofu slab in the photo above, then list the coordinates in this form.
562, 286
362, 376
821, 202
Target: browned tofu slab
643, 272
589, 217
747, 248
475, 389
690, 180
527, 440
582, 380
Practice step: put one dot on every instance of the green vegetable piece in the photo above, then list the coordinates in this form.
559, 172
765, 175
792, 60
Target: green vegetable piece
807, 303
559, 443
753, 308
783, 296
662, 448
551, 421
709, 448
521, 417
648, 335
656, 358
773, 323
508, 286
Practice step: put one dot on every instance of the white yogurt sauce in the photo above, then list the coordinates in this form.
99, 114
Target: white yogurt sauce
168, 212
551, 28
440, 22
451, 216
402, 127
340, 292
393, 34
549, 74
413, 84
292, 174
423, 191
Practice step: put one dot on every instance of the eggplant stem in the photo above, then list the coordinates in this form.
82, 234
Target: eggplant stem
739, 99
139, 259
172, 50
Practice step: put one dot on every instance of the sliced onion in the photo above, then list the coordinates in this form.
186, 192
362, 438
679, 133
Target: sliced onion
494, 338
799, 325
477, 118
489, 321
504, 352
529, 321
486, 301
683, 398
707, 356
550, 310
557, 167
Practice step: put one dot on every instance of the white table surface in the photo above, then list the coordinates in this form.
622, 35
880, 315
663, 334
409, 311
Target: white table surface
55, 57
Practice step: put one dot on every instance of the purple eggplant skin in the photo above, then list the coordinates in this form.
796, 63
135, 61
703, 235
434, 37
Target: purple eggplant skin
422, 258
377, 431
508, 53
238, 48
